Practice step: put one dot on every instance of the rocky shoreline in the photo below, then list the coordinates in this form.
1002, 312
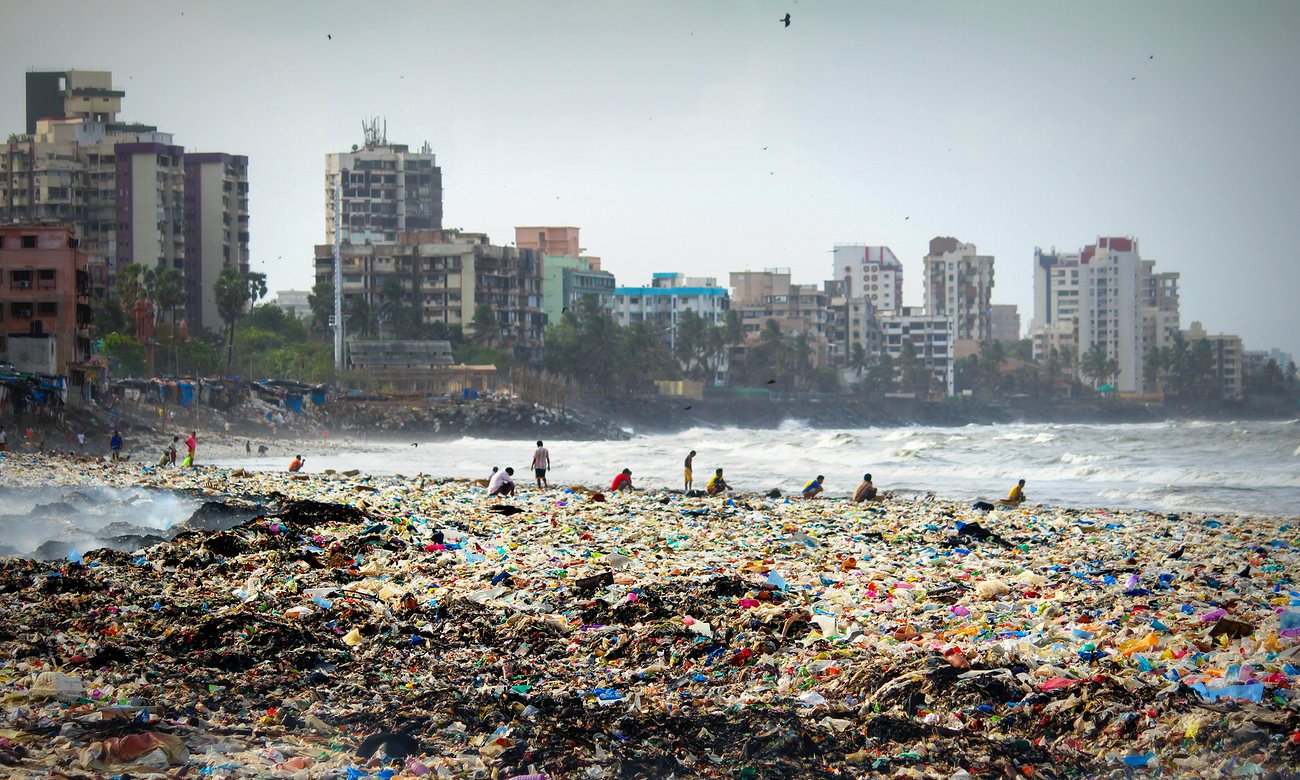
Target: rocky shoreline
644, 635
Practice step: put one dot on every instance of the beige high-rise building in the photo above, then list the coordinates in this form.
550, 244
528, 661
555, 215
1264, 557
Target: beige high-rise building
959, 284
386, 189
120, 185
797, 309
216, 229
1228, 357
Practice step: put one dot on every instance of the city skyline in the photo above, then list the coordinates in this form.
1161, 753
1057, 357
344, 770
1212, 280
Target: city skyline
1018, 127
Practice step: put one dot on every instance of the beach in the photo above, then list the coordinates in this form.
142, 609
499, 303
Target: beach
641, 635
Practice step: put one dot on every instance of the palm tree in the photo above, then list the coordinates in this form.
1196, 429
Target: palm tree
234, 290
168, 294
857, 361
1094, 365
485, 331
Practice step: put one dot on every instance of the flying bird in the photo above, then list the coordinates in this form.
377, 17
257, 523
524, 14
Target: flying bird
785, 19
906, 218
684, 408
770, 382
415, 444
1152, 57
328, 36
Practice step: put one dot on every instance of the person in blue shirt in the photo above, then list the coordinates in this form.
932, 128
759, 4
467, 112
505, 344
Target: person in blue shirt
813, 488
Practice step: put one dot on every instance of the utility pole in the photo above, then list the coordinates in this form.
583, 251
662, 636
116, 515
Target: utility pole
338, 279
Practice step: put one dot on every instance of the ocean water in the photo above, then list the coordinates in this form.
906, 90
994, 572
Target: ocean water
1250, 468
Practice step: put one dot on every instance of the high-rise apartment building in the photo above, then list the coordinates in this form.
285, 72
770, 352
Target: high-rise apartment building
216, 229
663, 302
121, 186
446, 275
150, 205
871, 272
385, 189
797, 309
1228, 358
568, 275
567, 279
959, 284
932, 338
1006, 322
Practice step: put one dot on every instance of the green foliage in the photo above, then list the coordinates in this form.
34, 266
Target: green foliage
484, 329
587, 345
274, 318
476, 355
108, 318
234, 290
321, 301
125, 355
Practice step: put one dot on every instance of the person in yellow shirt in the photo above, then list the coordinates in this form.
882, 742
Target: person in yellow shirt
1016, 497
716, 484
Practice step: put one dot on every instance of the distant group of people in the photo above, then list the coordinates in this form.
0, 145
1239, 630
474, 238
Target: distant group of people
169, 453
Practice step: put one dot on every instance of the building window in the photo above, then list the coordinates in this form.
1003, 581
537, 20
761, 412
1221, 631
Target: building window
29, 242
21, 310
47, 309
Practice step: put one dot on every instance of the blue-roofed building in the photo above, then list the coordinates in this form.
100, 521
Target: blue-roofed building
662, 303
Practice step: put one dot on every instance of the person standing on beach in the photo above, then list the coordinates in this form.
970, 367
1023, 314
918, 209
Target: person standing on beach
81, 441
541, 465
191, 444
171, 448
690, 481
115, 446
4, 440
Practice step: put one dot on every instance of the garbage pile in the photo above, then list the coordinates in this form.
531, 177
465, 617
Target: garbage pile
393, 627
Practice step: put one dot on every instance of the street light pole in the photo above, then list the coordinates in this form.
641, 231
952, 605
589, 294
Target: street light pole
338, 279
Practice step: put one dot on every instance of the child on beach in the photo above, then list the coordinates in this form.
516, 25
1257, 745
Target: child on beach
690, 482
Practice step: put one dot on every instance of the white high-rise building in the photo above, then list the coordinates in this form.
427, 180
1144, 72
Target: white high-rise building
871, 272
1056, 302
959, 284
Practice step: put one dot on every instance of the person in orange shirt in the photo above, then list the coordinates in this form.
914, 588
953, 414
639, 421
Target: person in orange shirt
296, 464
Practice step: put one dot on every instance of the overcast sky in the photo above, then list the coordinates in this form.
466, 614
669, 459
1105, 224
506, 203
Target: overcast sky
706, 137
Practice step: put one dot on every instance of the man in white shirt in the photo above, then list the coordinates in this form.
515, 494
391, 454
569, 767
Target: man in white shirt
502, 484
541, 465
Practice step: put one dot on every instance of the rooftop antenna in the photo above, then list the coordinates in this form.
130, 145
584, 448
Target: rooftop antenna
375, 136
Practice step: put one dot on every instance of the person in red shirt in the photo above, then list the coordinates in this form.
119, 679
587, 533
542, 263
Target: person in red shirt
623, 481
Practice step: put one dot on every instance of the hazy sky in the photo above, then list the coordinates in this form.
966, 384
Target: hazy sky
1009, 125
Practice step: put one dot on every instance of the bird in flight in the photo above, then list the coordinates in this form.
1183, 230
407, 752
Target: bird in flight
329, 37
785, 19
770, 382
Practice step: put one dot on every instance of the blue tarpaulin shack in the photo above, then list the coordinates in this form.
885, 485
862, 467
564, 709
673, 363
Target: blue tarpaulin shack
293, 402
185, 393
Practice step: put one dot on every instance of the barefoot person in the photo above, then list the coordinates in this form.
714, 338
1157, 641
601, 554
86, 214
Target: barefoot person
1016, 497
541, 465
502, 483
296, 464
865, 491
716, 484
690, 481
813, 488
622, 481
